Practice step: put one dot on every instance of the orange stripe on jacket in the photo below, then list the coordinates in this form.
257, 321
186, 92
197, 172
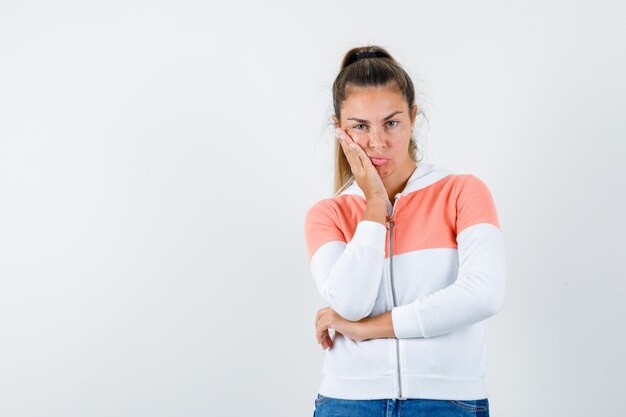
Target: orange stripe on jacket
436, 214
332, 219
439, 212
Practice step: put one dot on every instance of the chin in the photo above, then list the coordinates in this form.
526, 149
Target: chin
383, 171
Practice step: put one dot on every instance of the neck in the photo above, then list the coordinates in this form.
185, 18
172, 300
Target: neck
396, 182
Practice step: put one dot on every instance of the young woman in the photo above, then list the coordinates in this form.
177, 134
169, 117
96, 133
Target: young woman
409, 257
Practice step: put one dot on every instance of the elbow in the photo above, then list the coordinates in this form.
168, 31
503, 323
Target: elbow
488, 297
348, 304
353, 312
494, 307
494, 302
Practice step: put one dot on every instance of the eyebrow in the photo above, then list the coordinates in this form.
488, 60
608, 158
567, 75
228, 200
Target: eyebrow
366, 121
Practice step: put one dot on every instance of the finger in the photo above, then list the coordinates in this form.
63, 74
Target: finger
364, 160
356, 149
320, 328
319, 334
322, 336
327, 342
347, 150
320, 314
325, 337
351, 149
348, 140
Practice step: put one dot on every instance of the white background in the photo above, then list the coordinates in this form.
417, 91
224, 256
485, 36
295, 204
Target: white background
157, 159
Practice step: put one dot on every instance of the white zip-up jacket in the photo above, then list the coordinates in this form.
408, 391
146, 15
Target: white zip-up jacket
438, 265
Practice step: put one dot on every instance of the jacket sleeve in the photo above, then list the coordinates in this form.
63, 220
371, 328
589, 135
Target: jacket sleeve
347, 274
478, 291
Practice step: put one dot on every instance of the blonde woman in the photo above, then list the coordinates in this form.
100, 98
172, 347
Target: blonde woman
409, 256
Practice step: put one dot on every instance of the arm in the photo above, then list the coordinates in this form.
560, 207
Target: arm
347, 274
479, 289
376, 327
469, 308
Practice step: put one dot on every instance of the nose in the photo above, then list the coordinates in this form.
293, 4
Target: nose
376, 139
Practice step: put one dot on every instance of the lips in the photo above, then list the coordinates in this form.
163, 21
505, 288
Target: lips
379, 161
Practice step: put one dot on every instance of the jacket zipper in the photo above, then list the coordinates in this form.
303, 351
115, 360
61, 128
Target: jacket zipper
393, 291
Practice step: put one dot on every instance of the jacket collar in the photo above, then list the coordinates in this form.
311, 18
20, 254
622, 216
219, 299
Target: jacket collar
423, 176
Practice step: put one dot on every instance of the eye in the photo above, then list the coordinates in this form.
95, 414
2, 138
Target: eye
357, 126
393, 121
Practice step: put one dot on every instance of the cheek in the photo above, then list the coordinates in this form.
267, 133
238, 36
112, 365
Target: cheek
398, 137
361, 139
358, 134
400, 134
400, 144
363, 143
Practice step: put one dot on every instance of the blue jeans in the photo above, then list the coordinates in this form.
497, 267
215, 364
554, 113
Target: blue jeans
336, 407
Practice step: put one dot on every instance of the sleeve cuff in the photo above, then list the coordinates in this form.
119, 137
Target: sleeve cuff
370, 233
405, 323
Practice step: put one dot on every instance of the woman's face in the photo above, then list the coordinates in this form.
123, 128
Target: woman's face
379, 120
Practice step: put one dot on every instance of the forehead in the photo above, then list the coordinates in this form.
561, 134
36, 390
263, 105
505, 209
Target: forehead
372, 101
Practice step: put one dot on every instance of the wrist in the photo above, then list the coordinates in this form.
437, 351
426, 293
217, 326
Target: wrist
375, 327
359, 330
377, 201
376, 210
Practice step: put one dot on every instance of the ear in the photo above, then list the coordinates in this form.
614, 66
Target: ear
336, 121
413, 113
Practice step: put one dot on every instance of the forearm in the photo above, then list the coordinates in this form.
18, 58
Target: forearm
476, 294
376, 211
348, 275
376, 327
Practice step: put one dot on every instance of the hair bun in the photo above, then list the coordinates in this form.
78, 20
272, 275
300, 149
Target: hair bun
364, 54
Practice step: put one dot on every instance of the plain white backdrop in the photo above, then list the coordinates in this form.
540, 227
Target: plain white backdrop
157, 159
